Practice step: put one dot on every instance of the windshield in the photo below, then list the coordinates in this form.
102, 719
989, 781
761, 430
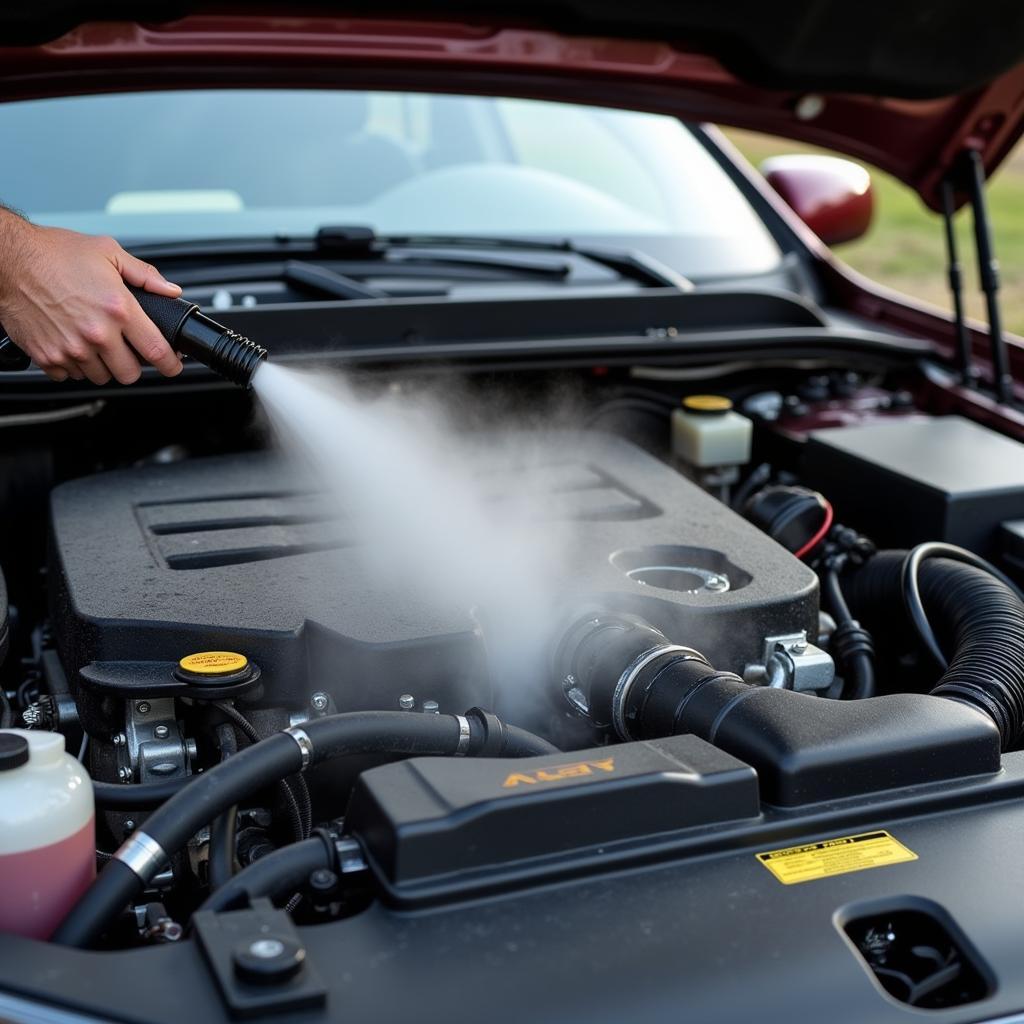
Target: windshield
220, 163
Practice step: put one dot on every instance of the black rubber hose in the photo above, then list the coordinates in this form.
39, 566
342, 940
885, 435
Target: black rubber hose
141, 796
979, 619
276, 875
520, 743
257, 767
221, 861
851, 644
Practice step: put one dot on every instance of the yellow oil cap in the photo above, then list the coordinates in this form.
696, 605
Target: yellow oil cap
707, 404
214, 663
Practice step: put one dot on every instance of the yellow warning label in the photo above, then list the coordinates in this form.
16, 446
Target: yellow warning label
214, 663
835, 857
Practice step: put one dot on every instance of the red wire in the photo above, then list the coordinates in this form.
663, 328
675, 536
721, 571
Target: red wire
826, 525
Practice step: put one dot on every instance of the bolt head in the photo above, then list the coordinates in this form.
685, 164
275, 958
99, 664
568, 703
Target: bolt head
124, 774
717, 583
431, 707
266, 949
143, 707
799, 647
268, 960
407, 702
161, 732
319, 701
119, 739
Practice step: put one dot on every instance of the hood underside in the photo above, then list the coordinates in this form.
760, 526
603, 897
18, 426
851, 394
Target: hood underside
906, 87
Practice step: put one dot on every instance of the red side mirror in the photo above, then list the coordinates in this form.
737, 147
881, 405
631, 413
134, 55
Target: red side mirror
833, 197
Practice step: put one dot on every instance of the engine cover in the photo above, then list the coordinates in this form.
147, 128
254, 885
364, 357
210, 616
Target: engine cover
238, 553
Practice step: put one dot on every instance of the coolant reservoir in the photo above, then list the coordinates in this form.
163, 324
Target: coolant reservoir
47, 832
706, 432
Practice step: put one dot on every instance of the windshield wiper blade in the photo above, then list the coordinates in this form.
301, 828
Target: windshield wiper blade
344, 243
629, 263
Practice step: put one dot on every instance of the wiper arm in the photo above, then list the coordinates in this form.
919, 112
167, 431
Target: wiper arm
628, 263
345, 242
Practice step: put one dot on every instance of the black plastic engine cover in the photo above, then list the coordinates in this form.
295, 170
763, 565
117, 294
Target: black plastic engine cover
435, 825
238, 553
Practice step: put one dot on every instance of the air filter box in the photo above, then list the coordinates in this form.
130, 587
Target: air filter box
903, 482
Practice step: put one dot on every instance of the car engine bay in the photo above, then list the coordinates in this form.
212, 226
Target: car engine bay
730, 661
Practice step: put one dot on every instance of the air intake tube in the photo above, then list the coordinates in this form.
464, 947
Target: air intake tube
977, 616
626, 677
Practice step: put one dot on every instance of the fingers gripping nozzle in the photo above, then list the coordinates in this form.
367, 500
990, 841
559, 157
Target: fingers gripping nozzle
187, 330
194, 334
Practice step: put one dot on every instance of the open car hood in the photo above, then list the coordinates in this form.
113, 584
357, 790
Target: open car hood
907, 87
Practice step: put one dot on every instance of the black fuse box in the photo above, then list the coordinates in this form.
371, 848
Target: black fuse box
903, 482
438, 826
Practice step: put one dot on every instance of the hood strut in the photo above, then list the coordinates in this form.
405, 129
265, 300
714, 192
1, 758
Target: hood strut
988, 271
968, 371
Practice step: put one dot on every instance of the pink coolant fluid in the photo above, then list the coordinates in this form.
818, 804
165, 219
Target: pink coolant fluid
47, 832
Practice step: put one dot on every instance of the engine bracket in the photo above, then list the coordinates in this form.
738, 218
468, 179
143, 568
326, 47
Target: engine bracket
259, 961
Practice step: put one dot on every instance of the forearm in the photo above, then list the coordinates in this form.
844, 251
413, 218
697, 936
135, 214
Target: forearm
14, 230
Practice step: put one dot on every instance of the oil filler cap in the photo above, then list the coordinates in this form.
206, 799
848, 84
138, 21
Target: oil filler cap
214, 668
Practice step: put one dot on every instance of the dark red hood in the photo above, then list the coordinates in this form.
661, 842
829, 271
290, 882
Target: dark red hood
907, 87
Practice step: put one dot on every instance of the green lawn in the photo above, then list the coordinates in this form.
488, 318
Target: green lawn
904, 248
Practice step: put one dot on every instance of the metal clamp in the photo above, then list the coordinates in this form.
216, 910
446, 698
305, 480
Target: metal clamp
628, 678
301, 737
464, 735
143, 854
790, 662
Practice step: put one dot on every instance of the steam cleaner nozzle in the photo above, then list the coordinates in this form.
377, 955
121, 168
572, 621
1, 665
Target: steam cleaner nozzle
194, 334
187, 331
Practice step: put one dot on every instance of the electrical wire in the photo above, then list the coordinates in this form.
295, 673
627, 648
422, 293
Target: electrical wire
822, 532
910, 588
296, 800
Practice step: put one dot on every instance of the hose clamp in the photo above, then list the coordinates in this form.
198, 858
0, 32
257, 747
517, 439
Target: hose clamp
628, 678
464, 735
301, 737
143, 854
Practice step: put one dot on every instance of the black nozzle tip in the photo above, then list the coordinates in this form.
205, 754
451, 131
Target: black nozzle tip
240, 359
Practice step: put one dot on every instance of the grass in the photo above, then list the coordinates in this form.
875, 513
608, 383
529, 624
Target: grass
904, 248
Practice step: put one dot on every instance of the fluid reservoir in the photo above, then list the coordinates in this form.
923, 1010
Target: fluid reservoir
47, 832
707, 433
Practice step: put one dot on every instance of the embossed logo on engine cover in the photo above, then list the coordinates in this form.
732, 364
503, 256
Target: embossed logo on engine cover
578, 769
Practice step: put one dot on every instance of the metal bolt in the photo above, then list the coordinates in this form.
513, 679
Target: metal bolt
124, 774
319, 701
161, 732
129, 825
717, 583
266, 949
798, 647
143, 707
407, 702
119, 739
431, 707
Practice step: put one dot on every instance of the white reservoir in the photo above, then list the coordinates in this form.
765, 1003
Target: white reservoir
47, 832
706, 433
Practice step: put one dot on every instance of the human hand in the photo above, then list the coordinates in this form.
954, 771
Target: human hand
63, 301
